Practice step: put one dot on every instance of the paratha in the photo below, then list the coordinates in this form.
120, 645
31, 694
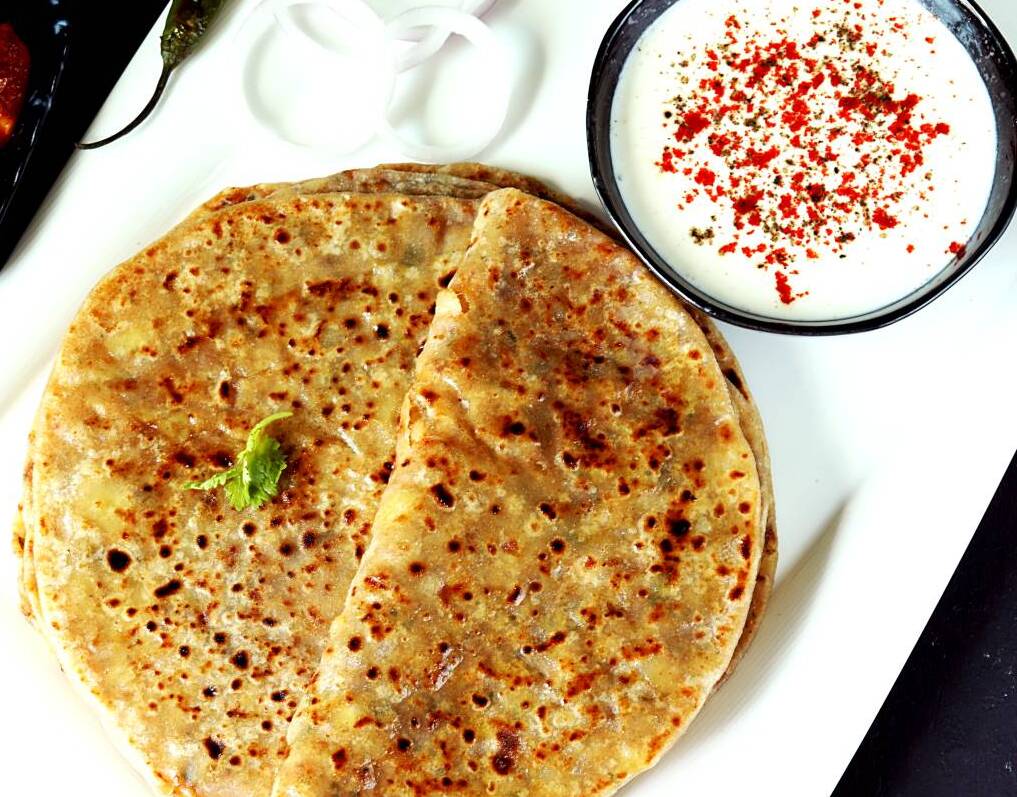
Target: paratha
194, 627
563, 562
79, 424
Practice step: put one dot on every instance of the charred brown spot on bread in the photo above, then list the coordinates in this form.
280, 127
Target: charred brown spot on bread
184, 459
213, 748
678, 526
221, 459
442, 496
511, 427
665, 422
504, 759
117, 560
171, 587
171, 390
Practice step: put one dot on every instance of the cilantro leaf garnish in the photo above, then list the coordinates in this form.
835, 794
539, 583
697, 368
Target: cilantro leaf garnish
254, 477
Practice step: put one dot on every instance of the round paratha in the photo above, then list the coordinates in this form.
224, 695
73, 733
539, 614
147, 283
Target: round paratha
563, 563
195, 629
193, 626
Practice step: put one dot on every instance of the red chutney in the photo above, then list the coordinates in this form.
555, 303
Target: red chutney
14, 68
817, 148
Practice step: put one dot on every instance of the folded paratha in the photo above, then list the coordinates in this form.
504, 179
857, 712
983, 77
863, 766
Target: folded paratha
564, 560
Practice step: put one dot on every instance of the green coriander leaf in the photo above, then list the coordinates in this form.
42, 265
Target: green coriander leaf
212, 482
237, 494
264, 468
258, 432
254, 477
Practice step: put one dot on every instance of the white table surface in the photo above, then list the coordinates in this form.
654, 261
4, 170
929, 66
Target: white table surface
886, 446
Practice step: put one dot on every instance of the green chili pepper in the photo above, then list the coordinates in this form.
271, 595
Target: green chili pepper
186, 25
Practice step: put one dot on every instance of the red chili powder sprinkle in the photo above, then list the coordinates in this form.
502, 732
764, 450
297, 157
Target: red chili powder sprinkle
784, 288
705, 177
911, 248
692, 124
884, 219
802, 143
958, 249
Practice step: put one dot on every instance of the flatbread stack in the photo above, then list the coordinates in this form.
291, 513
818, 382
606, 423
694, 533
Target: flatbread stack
524, 531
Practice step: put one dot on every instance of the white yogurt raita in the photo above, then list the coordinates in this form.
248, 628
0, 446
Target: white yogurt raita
804, 160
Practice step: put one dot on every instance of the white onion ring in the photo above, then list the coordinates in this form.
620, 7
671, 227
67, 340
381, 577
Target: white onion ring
356, 11
435, 38
481, 37
427, 40
360, 127
476, 7
381, 38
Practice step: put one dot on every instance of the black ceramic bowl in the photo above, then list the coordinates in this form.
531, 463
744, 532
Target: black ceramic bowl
998, 68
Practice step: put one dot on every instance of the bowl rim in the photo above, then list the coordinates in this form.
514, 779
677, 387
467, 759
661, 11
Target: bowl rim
670, 276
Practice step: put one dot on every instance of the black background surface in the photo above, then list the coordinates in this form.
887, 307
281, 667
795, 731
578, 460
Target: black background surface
948, 727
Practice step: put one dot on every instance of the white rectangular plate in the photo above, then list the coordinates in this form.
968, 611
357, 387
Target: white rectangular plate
886, 446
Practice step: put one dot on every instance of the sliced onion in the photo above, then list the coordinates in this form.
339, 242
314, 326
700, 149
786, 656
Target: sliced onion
433, 39
427, 40
377, 42
476, 7
374, 76
499, 87
362, 15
